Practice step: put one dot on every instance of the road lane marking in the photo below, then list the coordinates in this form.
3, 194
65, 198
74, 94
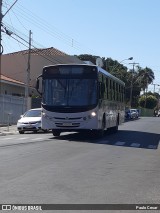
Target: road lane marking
22, 138
35, 139
7, 138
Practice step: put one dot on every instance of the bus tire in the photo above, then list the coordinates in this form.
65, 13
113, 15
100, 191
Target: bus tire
56, 132
100, 132
115, 128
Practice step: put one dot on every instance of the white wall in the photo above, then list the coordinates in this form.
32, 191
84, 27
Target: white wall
13, 107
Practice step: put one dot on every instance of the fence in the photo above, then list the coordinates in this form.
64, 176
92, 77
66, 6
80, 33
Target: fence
147, 112
11, 107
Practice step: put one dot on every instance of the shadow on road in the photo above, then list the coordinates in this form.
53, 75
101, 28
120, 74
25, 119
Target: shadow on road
124, 138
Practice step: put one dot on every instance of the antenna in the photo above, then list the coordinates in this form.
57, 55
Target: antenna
99, 62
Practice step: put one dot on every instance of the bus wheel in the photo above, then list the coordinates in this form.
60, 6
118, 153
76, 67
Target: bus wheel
100, 132
115, 128
56, 132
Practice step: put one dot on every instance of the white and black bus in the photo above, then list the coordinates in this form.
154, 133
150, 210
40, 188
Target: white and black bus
79, 97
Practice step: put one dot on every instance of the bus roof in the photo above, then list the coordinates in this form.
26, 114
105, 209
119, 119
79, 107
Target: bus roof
98, 68
110, 75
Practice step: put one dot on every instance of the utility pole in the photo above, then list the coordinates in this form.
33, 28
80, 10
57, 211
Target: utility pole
131, 90
155, 87
1, 48
28, 71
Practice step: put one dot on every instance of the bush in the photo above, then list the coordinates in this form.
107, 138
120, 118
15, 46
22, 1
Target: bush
149, 102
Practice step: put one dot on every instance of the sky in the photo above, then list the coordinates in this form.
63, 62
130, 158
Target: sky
116, 29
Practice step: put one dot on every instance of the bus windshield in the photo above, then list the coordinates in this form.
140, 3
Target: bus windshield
69, 92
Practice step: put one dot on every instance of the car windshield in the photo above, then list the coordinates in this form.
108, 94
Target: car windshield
33, 113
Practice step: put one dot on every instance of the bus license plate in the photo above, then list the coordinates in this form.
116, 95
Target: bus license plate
67, 124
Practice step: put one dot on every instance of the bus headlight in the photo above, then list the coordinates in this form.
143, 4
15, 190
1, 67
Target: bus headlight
93, 114
43, 113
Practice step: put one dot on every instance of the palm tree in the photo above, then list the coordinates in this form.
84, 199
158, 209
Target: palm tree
140, 79
146, 77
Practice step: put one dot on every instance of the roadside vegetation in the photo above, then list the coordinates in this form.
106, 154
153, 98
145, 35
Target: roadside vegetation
141, 78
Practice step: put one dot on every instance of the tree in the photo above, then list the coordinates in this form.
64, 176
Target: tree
146, 77
91, 58
149, 101
116, 69
132, 82
86, 57
139, 79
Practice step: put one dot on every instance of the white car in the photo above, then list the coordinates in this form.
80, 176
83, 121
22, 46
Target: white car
30, 121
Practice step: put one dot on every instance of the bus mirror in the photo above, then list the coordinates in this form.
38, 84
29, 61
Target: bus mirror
37, 84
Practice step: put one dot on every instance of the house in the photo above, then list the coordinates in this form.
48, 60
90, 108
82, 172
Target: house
13, 79
11, 86
14, 65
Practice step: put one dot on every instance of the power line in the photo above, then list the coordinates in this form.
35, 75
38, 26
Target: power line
10, 33
42, 24
10, 8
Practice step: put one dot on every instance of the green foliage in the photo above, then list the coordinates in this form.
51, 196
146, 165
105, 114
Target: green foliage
146, 77
138, 77
149, 101
91, 58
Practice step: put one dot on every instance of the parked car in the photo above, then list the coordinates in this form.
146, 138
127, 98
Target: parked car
131, 114
136, 111
30, 121
158, 113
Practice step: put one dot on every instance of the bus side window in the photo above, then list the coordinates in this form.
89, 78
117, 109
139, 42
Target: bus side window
110, 91
119, 92
122, 94
103, 88
107, 87
114, 90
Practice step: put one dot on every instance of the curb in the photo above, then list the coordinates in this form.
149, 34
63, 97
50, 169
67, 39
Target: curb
2, 134
7, 133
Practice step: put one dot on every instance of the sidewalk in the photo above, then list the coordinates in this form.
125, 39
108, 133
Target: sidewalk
8, 130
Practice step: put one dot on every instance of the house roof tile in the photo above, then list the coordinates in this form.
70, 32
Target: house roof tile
46, 51
5, 78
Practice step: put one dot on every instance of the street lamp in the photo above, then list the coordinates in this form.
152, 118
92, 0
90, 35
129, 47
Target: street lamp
130, 58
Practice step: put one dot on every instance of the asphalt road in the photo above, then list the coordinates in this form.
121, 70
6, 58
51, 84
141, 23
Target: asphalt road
121, 168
